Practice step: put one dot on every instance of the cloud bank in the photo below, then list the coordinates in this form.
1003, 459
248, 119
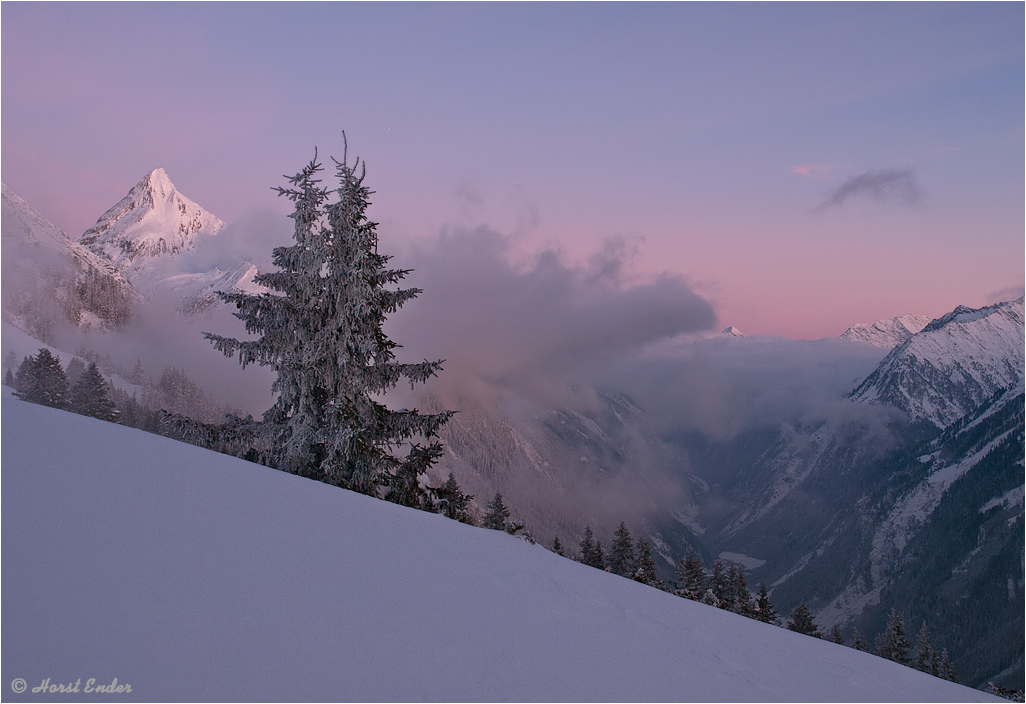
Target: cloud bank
886, 185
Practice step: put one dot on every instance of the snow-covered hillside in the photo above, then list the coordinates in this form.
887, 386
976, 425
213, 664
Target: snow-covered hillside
951, 366
194, 576
887, 333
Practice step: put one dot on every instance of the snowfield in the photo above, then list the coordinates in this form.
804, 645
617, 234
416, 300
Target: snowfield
189, 575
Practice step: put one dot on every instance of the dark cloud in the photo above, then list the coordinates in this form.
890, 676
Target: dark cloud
894, 185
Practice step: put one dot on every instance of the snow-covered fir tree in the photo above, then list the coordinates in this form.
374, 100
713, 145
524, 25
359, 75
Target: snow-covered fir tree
893, 644
801, 622
41, 379
89, 396
764, 607
691, 582
621, 555
644, 566
498, 515
452, 502
320, 330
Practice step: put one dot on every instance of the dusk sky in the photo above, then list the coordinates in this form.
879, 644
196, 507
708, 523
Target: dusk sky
805, 166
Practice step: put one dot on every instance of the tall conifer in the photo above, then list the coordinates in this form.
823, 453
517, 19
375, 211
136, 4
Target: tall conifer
320, 330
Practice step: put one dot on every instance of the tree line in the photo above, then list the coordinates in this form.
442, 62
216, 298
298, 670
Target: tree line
725, 586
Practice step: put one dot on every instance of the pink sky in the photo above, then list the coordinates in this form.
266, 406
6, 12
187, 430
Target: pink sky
805, 166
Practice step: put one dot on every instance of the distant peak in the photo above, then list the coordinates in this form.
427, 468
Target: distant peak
732, 331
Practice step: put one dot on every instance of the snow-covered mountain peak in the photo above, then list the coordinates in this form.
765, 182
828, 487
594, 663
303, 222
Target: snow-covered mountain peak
952, 365
887, 333
152, 220
732, 331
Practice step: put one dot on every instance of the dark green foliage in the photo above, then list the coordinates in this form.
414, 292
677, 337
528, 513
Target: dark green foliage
691, 577
498, 515
557, 547
835, 635
41, 379
89, 396
858, 643
591, 551
893, 644
644, 566
452, 502
742, 595
621, 555
764, 607
801, 622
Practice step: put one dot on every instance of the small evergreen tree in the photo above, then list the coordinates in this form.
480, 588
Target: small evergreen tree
587, 546
497, 515
801, 622
9, 379
599, 556
946, 670
321, 331
41, 379
557, 547
89, 396
859, 643
720, 584
644, 566
453, 503
621, 556
691, 585
892, 643
835, 635
741, 593
764, 607
76, 368
926, 659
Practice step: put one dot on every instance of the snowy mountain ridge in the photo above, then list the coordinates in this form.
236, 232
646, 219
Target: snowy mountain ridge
952, 365
887, 333
153, 220
52, 269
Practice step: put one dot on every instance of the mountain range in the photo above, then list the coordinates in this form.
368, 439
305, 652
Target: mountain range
895, 483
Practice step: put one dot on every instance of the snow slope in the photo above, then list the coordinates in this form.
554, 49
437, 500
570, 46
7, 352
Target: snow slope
194, 576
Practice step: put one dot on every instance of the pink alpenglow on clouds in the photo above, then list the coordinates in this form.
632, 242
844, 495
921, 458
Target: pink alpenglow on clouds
768, 154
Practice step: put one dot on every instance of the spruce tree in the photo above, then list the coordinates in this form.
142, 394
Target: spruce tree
644, 566
320, 330
765, 611
598, 558
946, 670
859, 643
557, 547
741, 593
89, 396
587, 546
835, 635
801, 622
621, 556
41, 379
926, 654
453, 503
498, 515
893, 644
9, 379
693, 586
